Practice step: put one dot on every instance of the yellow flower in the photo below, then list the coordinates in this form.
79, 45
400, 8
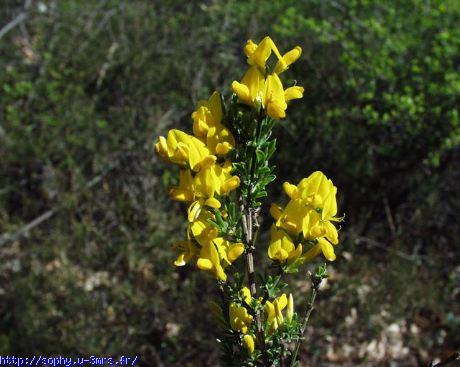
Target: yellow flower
201, 188
185, 191
274, 313
319, 193
276, 211
258, 54
281, 247
212, 253
295, 218
225, 181
277, 102
209, 260
249, 343
210, 181
246, 293
228, 251
273, 327
240, 319
255, 90
249, 48
279, 314
208, 127
209, 113
274, 99
294, 92
270, 309
315, 189
251, 89
187, 252
201, 229
323, 246
311, 211
288, 58
215, 253
206, 185
197, 206
184, 149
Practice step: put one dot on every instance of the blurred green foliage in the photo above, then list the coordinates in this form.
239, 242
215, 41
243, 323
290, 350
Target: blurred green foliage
86, 86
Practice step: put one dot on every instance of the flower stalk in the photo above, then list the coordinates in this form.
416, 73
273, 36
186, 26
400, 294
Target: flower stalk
315, 284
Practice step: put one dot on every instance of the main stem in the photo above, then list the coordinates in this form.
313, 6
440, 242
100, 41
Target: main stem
250, 227
248, 222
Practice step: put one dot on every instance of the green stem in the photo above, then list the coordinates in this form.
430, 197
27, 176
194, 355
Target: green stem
254, 153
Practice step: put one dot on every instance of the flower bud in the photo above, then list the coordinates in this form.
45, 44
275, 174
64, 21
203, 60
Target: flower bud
273, 326
290, 307
279, 314
249, 343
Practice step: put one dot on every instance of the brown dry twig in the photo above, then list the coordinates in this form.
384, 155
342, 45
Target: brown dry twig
6, 238
452, 358
16, 21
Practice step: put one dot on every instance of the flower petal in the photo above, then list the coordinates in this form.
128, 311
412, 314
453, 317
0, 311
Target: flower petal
327, 249
293, 93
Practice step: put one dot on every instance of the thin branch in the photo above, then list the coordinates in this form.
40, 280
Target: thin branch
390, 220
16, 21
11, 237
452, 358
386, 247
314, 291
6, 238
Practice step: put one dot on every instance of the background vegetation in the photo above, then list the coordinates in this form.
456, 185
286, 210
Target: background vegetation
87, 85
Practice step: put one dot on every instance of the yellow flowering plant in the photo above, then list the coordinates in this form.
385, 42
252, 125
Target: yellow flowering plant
224, 171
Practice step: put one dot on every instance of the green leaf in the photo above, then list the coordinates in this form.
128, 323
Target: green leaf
268, 179
264, 171
261, 194
260, 157
271, 148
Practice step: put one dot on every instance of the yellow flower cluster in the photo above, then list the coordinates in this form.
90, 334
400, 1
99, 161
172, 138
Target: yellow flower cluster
259, 87
274, 312
241, 320
203, 179
308, 216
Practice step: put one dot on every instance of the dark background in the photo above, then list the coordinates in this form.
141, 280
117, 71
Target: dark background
86, 87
